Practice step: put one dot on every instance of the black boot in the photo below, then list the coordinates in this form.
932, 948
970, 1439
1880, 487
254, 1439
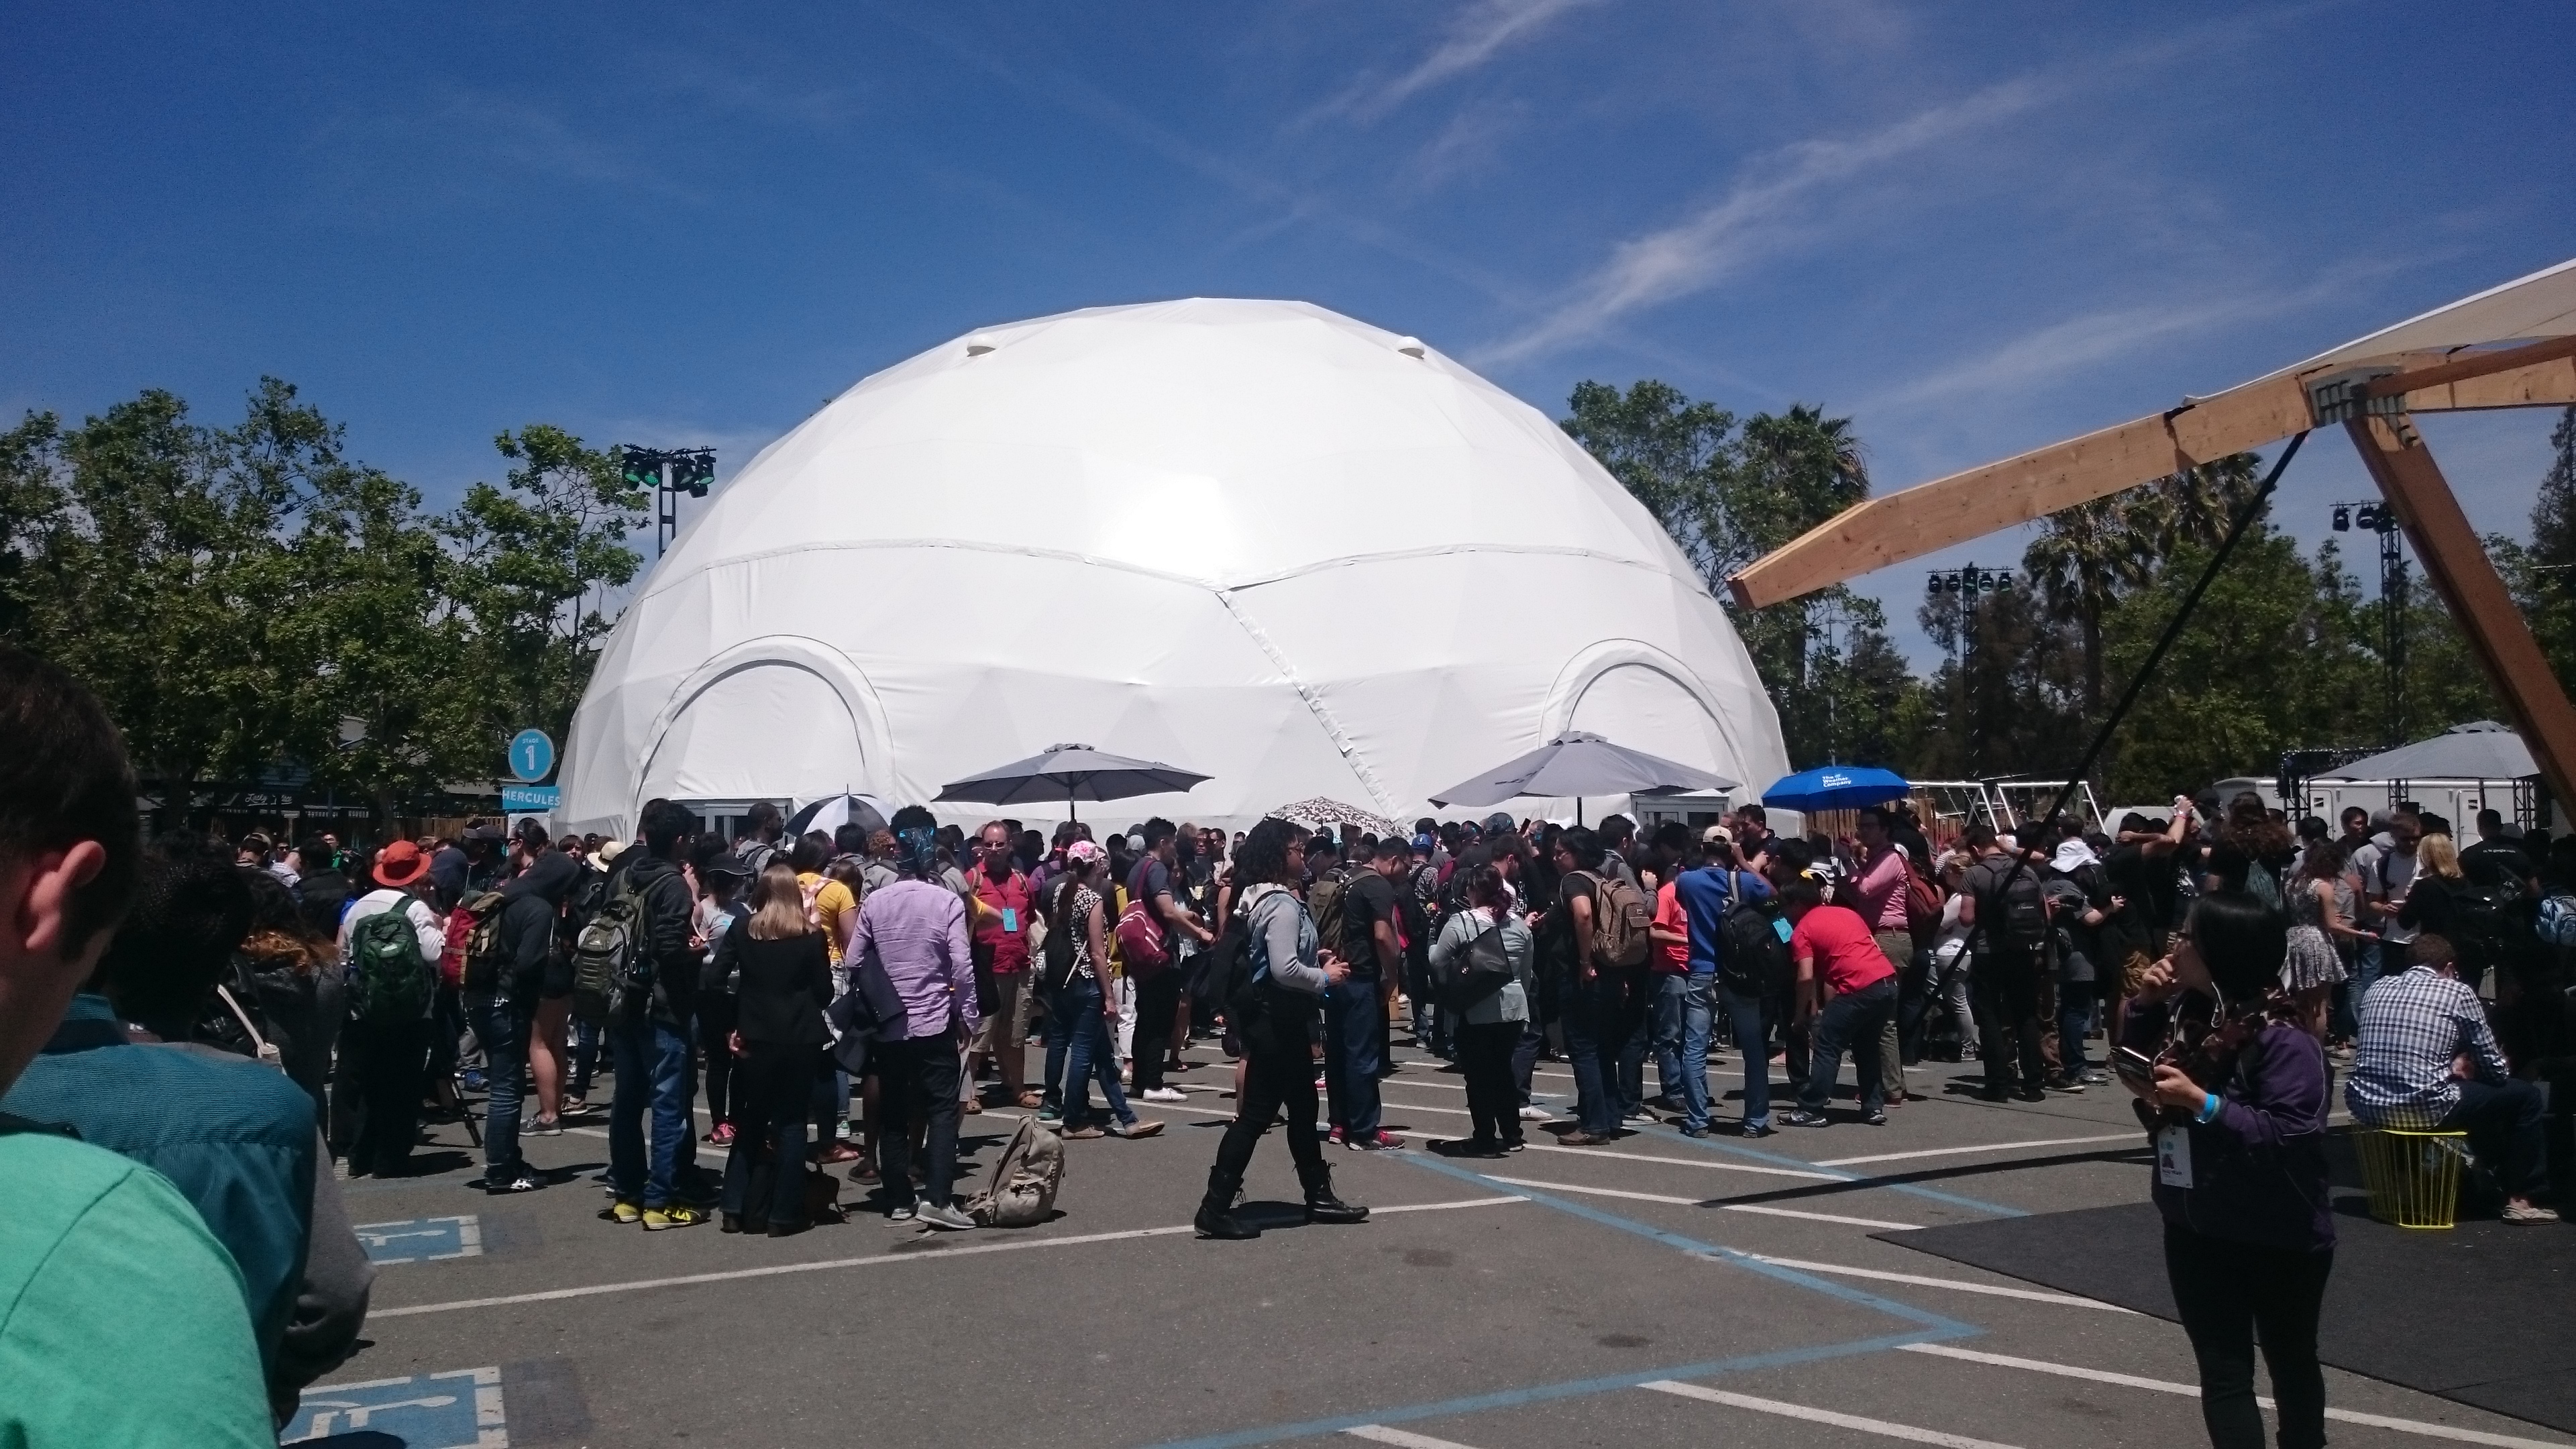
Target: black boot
1323, 1207
1216, 1217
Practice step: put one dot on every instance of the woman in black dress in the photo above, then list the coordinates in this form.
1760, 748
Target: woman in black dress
780, 1037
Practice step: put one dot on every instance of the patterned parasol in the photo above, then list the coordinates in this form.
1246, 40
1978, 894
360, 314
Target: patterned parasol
1320, 811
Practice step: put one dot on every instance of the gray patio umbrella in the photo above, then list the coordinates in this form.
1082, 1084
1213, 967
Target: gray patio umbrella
1070, 773
1580, 764
2483, 750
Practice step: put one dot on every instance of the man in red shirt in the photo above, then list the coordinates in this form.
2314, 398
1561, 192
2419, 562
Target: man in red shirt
1001, 948
1848, 987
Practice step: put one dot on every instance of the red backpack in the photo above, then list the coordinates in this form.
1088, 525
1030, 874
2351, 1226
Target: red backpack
1139, 930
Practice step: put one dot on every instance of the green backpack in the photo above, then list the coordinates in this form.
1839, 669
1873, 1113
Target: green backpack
389, 982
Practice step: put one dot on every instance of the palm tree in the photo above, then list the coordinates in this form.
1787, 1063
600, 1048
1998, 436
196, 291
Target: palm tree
2082, 561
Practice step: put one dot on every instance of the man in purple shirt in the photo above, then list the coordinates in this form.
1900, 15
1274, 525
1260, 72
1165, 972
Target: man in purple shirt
916, 929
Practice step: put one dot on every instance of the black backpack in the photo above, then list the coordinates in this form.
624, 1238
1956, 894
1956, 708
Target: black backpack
1755, 960
1058, 950
2492, 924
1477, 972
2018, 919
1227, 972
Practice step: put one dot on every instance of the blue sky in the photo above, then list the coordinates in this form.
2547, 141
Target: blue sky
1973, 227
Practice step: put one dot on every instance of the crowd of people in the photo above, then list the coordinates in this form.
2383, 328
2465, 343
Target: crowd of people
193, 1031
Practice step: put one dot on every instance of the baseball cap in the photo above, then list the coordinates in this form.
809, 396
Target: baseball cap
1717, 835
1424, 842
1082, 850
1500, 820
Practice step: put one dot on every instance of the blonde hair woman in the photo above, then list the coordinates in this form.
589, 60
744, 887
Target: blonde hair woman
780, 1036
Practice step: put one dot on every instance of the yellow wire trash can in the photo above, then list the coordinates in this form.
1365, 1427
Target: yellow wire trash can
2413, 1177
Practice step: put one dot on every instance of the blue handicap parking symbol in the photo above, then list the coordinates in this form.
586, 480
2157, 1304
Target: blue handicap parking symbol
460, 1409
421, 1240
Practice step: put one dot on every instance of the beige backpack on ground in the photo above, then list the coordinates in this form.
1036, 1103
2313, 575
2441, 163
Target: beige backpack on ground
1021, 1191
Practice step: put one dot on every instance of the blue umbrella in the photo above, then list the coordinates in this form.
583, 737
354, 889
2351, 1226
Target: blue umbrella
1835, 787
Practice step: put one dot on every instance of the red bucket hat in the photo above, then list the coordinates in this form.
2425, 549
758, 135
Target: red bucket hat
399, 864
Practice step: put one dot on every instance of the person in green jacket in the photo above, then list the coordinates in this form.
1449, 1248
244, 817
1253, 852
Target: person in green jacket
122, 1320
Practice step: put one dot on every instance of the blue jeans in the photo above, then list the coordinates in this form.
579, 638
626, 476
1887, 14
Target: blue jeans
503, 1030
1636, 1010
1594, 1040
1353, 1016
1853, 1021
585, 1055
2365, 970
1746, 1024
652, 1061
1078, 1023
2074, 1019
1682, 1011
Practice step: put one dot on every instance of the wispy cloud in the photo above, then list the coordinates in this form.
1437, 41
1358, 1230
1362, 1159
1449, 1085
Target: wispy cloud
1475, 36
2064, 348
1287, 204
1775, 201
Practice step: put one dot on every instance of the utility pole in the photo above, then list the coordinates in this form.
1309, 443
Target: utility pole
1964, 584
2394, 588
668, 473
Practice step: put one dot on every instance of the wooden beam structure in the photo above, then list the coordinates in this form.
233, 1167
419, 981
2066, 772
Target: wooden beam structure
1932, 516
2461, 573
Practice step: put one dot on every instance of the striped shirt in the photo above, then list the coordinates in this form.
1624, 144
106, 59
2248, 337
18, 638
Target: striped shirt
2412, 1027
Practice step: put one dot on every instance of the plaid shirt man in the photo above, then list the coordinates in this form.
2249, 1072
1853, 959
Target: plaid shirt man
2412, 1027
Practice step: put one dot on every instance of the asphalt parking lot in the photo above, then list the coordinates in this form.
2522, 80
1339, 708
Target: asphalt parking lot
1660, 1290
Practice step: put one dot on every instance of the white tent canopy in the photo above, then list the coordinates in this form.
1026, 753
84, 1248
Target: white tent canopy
1304, 555
2526, 309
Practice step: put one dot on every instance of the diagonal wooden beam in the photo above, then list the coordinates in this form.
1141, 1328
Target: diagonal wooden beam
2461, 573
1924, 519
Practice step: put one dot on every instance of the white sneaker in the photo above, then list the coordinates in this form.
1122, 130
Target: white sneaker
1534, 1114
941, 1215
1167, 1094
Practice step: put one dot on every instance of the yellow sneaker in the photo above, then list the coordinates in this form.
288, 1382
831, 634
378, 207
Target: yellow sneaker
677, 1215
621, 1211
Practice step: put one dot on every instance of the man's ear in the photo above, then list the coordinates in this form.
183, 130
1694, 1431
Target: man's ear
40, 899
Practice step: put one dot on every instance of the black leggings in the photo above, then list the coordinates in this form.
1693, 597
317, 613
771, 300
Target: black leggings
2227, 1291
1485, 1052
1276, 1074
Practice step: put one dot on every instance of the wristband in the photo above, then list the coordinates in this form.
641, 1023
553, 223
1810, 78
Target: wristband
2209, 1108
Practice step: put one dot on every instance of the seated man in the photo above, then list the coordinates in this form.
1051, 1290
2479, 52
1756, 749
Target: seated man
2428, 1062
121, 1318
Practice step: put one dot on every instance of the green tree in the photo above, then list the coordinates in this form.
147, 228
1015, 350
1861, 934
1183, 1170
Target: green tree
145, 563
536, 560
1729, 497
2543, 575
2275, 657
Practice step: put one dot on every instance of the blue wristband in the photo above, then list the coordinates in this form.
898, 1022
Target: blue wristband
2209, 1108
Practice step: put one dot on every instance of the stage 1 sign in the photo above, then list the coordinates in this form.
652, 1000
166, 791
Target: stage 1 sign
532, 755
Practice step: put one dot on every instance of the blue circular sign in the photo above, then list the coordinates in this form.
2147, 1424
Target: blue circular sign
532, 755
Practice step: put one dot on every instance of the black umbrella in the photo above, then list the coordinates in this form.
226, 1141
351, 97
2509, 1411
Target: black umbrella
1070, 773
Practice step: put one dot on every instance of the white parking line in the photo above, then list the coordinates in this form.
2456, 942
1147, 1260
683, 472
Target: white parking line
1980, 1147
1733, 1207
2164, 1386
1880, 1427
1399, 1438
1955, 1285
966, 1249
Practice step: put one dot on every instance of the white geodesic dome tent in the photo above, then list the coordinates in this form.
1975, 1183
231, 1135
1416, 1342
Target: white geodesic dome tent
1259, 540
